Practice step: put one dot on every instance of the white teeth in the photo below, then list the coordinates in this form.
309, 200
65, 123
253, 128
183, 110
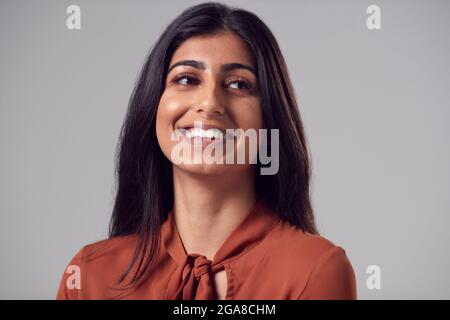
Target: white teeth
201, 133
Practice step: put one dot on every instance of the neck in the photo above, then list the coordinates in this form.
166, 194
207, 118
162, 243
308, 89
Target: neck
207, 209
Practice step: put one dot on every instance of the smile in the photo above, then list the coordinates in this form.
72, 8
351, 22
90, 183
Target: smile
212, 133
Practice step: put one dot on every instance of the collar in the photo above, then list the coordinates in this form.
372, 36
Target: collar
192, 279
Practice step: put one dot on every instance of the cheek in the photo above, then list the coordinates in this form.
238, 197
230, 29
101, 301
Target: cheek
171, 107
249, 116
169, 110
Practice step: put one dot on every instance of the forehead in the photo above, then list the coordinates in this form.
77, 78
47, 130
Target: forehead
214, 49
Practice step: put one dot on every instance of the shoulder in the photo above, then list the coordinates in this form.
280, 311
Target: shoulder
290, 240
106, 250
96, 264
320, 266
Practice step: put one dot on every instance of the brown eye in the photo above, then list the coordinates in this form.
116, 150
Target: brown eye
186, 80
239, 84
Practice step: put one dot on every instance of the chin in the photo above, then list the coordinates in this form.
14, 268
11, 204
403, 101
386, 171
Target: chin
212, 170
205, 169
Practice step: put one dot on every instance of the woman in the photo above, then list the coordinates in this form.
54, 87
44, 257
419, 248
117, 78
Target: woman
211, 230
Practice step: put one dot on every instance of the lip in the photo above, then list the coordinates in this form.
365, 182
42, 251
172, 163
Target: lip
205, 126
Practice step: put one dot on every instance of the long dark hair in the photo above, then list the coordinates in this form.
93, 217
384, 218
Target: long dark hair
144, 175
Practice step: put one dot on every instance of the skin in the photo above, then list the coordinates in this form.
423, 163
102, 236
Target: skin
210, 200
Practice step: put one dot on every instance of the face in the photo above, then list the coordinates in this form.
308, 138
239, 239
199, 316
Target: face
211, 85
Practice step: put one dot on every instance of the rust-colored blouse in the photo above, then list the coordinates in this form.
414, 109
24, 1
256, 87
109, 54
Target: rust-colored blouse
264, 258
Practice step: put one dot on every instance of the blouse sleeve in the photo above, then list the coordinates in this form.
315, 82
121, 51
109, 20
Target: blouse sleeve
333, 278
70, 284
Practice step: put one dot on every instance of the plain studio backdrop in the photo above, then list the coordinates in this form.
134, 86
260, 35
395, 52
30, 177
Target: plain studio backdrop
375, 105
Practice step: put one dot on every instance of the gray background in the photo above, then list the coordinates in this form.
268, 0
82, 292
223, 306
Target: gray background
375, 106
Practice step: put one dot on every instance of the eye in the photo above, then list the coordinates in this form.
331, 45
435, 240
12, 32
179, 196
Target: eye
239, 84
186, 80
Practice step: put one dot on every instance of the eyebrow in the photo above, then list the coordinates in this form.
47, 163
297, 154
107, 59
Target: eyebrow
224, 68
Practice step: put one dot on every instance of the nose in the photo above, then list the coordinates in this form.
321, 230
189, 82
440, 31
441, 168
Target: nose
211, 102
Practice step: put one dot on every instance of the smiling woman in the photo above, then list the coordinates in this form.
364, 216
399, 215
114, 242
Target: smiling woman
212, 230
219, 91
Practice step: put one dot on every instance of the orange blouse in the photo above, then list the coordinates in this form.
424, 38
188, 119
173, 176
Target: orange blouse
264, 258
